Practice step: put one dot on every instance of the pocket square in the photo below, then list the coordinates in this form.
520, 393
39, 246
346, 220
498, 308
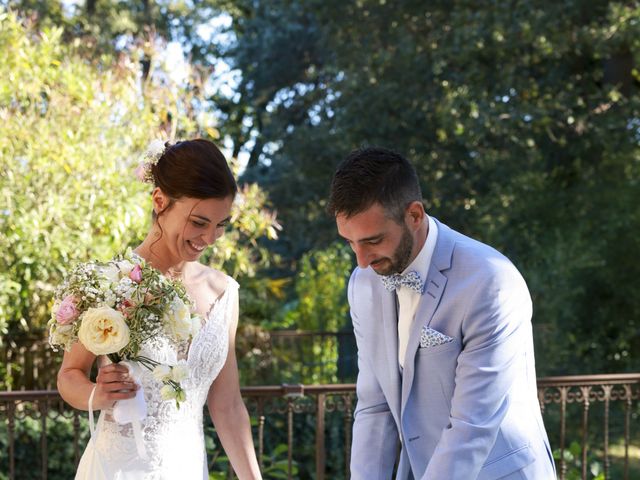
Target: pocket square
432, 338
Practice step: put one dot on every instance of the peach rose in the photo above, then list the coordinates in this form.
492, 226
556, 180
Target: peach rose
103, 331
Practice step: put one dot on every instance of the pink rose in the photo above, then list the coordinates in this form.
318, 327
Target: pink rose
67, 311
136, 274
125, 307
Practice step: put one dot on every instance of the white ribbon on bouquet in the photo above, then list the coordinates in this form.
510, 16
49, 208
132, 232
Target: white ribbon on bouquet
133, 410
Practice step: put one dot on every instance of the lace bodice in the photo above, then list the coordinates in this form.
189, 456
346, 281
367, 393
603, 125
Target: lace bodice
173, 437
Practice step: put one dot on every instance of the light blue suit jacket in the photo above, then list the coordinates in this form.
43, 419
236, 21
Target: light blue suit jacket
462, 410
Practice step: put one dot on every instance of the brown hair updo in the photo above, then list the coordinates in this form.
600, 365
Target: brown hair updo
194, 168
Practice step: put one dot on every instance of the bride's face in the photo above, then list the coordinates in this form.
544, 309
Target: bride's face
190, 225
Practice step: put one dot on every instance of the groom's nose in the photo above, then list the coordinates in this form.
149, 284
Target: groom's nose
363, 256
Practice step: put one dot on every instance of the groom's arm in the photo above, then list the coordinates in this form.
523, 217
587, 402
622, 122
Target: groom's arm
375, 437
496, 334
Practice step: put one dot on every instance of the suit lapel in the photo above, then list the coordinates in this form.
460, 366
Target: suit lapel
434, 287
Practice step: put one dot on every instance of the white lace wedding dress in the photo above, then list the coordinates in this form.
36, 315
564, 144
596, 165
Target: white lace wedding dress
173, 437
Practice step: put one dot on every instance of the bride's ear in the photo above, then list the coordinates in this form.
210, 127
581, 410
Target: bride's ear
160, 200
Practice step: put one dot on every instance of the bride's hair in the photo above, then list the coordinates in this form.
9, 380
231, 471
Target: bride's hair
193, 168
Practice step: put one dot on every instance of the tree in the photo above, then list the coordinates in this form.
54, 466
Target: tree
522, 123
70, 139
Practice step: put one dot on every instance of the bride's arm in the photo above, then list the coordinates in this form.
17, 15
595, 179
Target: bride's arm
113, 381
230, 415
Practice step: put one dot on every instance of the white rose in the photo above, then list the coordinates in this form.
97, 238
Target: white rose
61, 335
179, 372
103, 330
125, 267
177, 319
162, 373
111, 273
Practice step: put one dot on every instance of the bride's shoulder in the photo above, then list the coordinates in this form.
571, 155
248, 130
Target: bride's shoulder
207, 284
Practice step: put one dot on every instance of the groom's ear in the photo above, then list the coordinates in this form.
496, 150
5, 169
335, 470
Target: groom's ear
414, 215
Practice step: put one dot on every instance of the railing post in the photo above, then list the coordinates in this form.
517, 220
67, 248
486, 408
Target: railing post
43, 407
585, 420
541, 392
563, 425
607, 397
261, 420
627, 428
290, 392
11, 409
76, 436
320, 452
347, 435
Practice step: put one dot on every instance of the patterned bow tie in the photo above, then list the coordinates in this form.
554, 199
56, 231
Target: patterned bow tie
410, 280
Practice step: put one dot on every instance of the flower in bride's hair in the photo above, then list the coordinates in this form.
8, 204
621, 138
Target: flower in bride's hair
154, 151
103, 331
151, 157
162, 372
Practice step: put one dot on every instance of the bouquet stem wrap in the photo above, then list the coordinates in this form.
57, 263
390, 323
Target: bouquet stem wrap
133, 410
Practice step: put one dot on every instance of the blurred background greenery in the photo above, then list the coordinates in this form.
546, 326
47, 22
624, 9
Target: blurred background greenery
522, 120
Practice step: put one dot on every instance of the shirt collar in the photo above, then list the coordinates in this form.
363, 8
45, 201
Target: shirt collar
421, 263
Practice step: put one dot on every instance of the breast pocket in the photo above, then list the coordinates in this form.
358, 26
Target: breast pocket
445, 347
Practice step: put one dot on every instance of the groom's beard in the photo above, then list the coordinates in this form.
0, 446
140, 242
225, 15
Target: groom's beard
400, 259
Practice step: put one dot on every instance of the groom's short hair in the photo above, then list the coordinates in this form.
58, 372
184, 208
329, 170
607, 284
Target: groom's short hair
374, 175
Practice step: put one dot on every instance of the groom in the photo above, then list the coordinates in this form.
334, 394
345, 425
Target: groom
443, 326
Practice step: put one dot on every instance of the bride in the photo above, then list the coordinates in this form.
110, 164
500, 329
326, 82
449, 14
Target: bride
192, 197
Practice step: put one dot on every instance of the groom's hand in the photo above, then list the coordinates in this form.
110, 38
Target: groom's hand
113, 383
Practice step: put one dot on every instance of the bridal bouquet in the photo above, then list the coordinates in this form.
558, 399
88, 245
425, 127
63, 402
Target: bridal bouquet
112, 307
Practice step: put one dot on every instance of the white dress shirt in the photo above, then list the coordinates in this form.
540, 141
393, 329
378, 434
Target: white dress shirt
408, 299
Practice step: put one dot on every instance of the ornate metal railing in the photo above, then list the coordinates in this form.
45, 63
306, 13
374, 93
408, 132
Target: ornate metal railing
619, 390
305, 431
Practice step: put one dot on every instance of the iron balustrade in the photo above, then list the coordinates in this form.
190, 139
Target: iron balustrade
277, 408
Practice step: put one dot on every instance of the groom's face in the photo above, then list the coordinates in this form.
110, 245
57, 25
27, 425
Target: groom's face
377, 240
